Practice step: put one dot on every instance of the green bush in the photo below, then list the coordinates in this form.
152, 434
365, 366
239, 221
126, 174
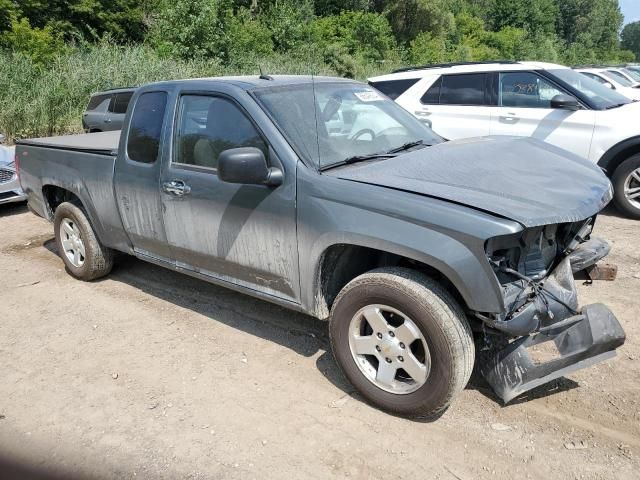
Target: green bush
359, 33
40, 45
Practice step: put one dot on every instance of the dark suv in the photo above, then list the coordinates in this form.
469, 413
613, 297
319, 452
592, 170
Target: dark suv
106, 110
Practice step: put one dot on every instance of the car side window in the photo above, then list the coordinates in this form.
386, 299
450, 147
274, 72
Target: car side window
525, 90
96, 101
466, 89
394, 88
432, 95
208, 125
145, 129
121, 102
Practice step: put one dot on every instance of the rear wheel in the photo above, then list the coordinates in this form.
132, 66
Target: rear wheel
626, 184
403, 341
81, 251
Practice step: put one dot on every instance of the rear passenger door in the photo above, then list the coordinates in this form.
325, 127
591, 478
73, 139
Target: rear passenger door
137, 176
114, 118
457, 105
524, 109
93, 117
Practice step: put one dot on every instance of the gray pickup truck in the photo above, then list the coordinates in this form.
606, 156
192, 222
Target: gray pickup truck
324, 196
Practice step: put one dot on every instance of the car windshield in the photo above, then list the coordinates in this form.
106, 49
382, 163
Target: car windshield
618, 77
329, 123
600, 97
632, 73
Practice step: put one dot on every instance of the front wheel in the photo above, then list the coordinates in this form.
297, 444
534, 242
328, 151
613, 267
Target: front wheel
626, 185
78, 246
403, 341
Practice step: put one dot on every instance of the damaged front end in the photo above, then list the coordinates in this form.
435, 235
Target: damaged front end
536, 270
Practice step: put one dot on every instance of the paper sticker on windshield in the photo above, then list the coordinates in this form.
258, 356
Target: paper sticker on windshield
368, 96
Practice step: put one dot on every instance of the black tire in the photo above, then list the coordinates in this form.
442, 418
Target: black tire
440, 319
619, 178
98, 259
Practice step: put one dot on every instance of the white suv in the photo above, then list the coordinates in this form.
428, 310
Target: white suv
541, 100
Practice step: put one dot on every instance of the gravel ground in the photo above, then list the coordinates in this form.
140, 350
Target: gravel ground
152, 374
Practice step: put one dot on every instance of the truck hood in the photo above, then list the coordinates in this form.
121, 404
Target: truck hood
522, 179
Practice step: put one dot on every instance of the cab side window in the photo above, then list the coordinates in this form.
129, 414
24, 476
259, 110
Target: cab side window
208, 125
145, 130
525, 90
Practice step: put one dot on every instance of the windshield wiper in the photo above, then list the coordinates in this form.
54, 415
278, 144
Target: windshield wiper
356, 159
406, 146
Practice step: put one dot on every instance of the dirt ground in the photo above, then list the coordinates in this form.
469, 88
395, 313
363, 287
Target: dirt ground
152, 374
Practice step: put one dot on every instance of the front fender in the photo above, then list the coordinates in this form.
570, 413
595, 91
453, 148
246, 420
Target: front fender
447, 237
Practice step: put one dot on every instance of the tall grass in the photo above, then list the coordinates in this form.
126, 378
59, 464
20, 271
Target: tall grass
49, 100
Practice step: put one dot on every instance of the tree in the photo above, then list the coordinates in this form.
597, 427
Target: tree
40, 45
333, 7
535, 16
186, 29
631, 38
408, 18
592, 25
359, 33
120, 19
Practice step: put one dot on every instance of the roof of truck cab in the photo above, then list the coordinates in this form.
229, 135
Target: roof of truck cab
248, 82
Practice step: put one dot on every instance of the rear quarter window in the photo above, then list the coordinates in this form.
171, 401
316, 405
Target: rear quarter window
394, 88
96, 100
432, 95
145, 129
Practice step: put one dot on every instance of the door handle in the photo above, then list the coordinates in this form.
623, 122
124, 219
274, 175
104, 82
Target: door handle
177, 188
107, 120
422, 113
509, 117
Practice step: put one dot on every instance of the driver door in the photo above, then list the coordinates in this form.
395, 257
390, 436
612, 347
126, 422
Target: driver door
241, 234
524, 110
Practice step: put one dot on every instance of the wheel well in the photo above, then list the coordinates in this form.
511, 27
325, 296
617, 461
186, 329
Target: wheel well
55, 195
614, 157
342, 263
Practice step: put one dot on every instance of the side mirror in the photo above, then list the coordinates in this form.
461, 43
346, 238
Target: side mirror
609, 85
565, 102
2, 138
247, 165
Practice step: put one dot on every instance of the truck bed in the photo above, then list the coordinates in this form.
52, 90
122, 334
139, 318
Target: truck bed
82, 165
105, 143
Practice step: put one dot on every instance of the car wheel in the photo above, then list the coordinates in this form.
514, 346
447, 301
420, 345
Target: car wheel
83, 254
403, 341
626, 185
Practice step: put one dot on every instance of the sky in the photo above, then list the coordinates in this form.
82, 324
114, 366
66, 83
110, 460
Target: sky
631, 10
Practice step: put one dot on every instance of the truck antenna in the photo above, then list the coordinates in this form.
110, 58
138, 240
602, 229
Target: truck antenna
262, 75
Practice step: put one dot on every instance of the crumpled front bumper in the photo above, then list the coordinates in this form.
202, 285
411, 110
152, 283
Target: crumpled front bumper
582, 337
581, 340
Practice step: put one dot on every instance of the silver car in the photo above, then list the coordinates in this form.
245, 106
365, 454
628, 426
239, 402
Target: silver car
105, 110
10, 190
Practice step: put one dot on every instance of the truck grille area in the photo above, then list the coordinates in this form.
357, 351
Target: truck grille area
6, 175
535, 271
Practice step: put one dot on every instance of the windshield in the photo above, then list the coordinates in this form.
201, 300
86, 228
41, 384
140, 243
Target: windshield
341, 121
632, 73
599, 96
618, 77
